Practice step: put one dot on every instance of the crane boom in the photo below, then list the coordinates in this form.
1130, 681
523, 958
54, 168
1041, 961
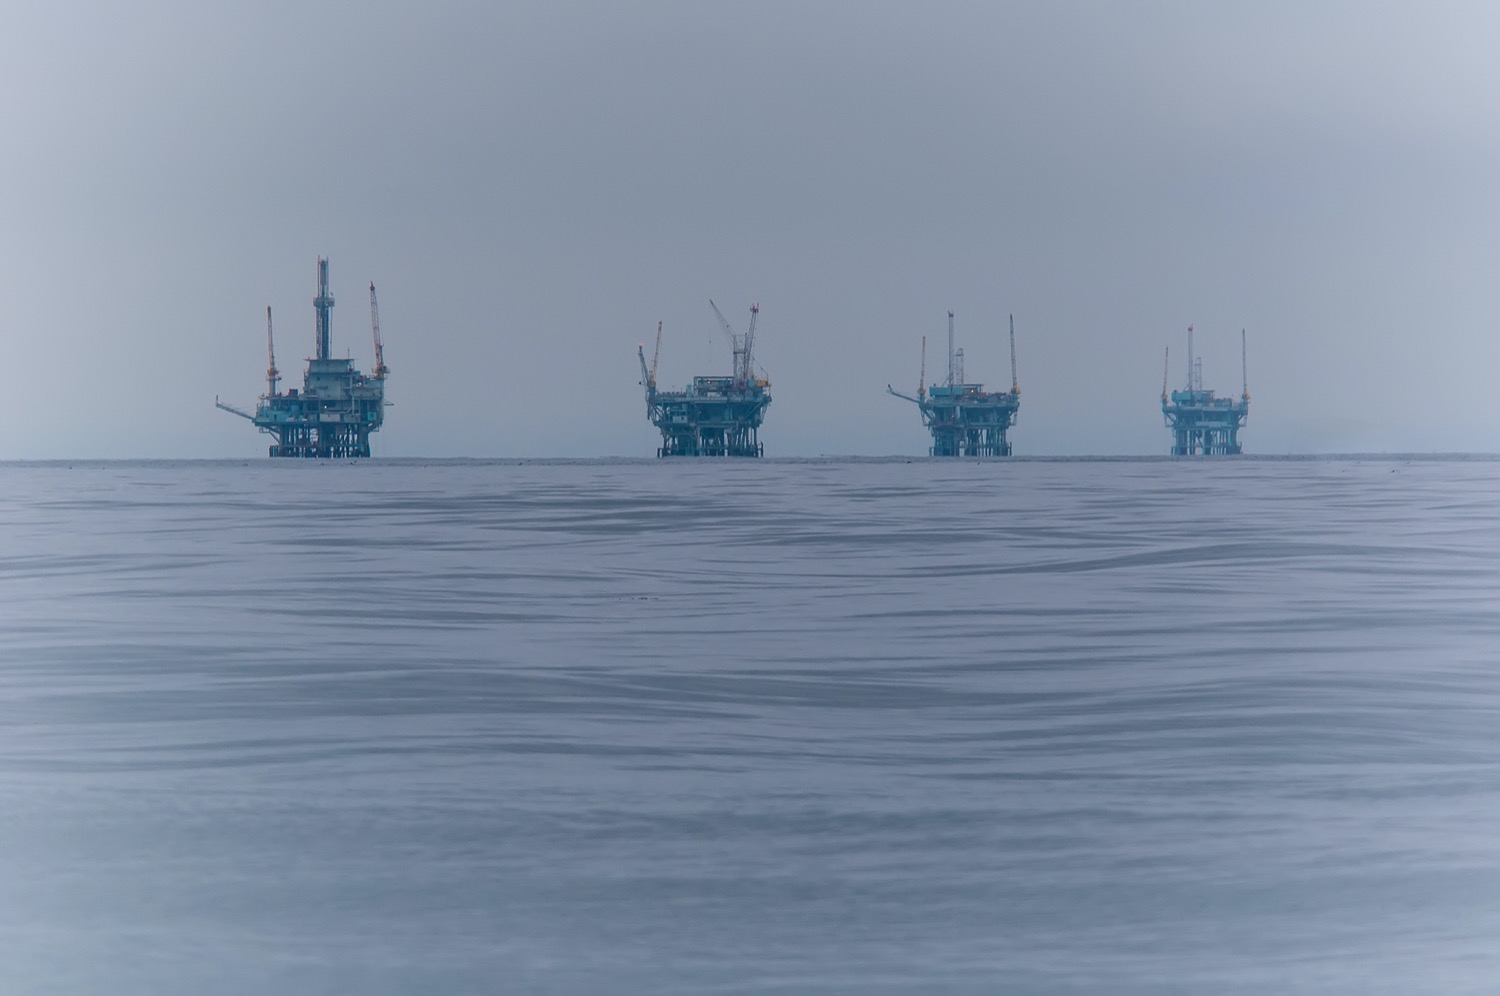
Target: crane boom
739, 343
724, 324
655, 358
232, 410
904, 397
748, 372
1015, 385
922, 377
273, 376
1166, 366
1244, 369
646, 380
380, 368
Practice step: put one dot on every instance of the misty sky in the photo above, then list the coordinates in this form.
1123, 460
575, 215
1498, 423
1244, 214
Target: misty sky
532, 186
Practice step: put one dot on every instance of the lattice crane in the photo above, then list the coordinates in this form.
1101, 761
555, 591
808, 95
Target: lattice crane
380, 368
1015, 385
273, 376
748, 374
743, 345
655, 357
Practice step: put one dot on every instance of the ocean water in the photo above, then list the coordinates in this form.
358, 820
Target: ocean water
750, 727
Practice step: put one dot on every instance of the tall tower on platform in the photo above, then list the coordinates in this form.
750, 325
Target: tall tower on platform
964, 418
337, 408
1201, 423
715, 416
323, 308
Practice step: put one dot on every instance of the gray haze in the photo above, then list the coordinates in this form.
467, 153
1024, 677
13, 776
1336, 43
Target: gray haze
534, 185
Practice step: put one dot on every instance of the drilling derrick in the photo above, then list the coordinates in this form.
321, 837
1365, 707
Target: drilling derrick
337, 408
1202, 423
323, 307
715, 416
964, 418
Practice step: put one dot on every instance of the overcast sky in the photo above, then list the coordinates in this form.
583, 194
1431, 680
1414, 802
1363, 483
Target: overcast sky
532, 186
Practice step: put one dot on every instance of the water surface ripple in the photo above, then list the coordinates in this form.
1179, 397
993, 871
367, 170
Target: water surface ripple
761, 727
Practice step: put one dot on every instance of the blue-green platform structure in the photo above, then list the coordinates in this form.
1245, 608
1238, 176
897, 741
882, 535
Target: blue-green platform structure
964, 418
715, 416
1203, 424
337, 408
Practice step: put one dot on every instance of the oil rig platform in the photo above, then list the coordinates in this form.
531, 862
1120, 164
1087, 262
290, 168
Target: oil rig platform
715, 416
1201, 423
964, 418
338, 407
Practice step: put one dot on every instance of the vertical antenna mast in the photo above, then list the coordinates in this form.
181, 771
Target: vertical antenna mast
1166, 365
922, 377
273, 376
950, 349
1190, 357
323, 304
1015, 385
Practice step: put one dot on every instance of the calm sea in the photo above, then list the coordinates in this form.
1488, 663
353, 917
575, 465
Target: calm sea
750, 727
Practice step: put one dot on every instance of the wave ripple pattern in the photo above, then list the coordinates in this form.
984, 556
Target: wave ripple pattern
772, 727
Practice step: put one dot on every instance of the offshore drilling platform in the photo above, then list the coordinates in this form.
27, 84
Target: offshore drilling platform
716, 416
338, 407
964, 418
1201, 423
